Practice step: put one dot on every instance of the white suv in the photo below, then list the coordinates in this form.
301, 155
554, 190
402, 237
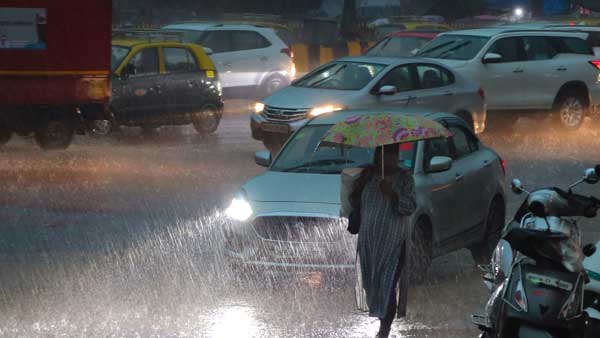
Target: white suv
249, 58
525, 71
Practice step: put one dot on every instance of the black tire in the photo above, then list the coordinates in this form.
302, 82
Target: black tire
272, 84
5, 134
421, 253
570, 110
273, 143
207, 120
55, 134
482, 252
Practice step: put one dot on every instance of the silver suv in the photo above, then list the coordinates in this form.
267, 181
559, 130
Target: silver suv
289, 215
525, 71
250, 59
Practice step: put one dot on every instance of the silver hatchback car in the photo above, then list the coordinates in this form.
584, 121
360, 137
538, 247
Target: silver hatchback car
367, 82
289, 215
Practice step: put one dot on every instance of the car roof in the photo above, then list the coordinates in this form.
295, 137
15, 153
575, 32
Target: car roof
413, 34
493, 31
198, 26
154, 43
335, 117
388, 60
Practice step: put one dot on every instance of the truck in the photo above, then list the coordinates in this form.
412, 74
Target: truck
55, 78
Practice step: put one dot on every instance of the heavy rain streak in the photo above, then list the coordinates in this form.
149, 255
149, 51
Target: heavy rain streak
170, 179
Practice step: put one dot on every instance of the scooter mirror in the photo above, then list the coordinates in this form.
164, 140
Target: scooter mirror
516, 186
589, 250
591, 176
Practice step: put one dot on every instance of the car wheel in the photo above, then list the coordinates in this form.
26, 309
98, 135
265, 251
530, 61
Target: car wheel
421, 253
571, 110
273, 143
5, 133
482, 252
272, 84
55, 134
207, 121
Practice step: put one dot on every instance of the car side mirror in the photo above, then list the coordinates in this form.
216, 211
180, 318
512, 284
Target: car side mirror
387, 90
439, 164
207, 50
589, 250
262, 158
591, 176
516, 186
492, 58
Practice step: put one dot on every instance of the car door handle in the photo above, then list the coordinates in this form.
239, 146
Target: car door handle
459, 177
561, 69
518, 71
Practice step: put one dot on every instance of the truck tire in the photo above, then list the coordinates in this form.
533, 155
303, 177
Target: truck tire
571, 109
5, 134
207, 120
55, 134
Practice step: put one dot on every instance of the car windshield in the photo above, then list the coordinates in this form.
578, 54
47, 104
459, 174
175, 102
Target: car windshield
398, 46
454, 47
341, 76
306, 153
118, 53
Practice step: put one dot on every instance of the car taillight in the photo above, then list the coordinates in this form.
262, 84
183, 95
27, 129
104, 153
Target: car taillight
481, 93
595, 63
503, 166
288, 52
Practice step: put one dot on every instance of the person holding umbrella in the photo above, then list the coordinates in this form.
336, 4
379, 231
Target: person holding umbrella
383, 199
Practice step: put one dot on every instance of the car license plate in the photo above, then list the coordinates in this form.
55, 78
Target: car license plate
549, 281
276, 128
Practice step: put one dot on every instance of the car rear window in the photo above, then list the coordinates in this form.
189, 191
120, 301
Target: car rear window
576, 46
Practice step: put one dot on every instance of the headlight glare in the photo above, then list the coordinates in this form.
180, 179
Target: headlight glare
324, 110
239, 209
259, 107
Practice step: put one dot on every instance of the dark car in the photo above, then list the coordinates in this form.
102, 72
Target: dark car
164, 83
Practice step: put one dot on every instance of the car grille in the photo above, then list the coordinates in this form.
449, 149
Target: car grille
284, 114
300, 229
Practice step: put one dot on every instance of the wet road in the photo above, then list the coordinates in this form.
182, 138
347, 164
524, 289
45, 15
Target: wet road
117, 237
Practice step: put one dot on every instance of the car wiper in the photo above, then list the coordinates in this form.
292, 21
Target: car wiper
319, 163
460, 45
437, 47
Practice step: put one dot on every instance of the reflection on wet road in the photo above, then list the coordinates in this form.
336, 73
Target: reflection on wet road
119, 237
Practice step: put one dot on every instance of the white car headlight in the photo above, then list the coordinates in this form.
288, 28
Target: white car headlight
324, 110
259, 107
239, 209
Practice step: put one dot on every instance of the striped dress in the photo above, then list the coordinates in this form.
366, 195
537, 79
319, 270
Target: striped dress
384, 232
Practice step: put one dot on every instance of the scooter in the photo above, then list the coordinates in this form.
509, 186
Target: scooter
591, 299
536, 276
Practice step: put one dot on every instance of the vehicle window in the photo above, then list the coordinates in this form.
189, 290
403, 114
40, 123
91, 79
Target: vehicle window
179, 60
341, 76
508, 48
118, 53
218, 41
436, 147
454, 47
397, 46
433, 76
400, 77
464, 142
538, 48
576, 46
594, 39
146, 61
241, 40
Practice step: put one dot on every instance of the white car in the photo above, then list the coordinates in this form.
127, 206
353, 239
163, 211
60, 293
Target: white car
289, 216
525, 71
249, 58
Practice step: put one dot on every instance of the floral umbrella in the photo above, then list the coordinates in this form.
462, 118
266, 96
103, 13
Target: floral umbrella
370, 131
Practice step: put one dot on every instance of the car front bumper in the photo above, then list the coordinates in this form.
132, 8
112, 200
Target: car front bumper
258, 120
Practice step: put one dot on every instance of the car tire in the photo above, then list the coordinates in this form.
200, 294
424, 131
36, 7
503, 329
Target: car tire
273, 143
55, 133
207, 121
482, 252
421, 253
272, 84
5, 133
571, 109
